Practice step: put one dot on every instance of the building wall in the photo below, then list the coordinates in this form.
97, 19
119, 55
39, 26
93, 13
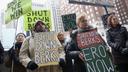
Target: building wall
58, 26
92, 13
122, 10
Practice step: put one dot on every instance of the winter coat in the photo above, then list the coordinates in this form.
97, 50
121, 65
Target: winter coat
27, 55
116, 38
13, 54
1, 53
73, 62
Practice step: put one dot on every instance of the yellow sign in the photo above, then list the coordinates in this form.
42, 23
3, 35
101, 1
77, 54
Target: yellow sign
32, 17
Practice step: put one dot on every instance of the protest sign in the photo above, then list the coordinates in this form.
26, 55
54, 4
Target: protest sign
69, 21
32, 17
46, 51
95, 52
16, 8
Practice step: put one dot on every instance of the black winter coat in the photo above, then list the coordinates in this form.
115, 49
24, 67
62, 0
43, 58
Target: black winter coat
116, 38
14, 55
1, 53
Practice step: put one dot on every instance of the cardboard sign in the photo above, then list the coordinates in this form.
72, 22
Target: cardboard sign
31, 18
17, 8
94, 49
46, 51
69, 21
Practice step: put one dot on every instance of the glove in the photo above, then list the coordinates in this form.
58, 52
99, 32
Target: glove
32, 65
61, 62
124, 51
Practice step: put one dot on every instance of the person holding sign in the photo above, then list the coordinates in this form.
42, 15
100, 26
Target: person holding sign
1, 56
27, 53
74, 57
117, 37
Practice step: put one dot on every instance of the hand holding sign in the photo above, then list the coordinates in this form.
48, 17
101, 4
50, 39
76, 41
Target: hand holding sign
81, 56
94, 52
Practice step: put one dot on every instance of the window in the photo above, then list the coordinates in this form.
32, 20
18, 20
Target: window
120, 22
97, 13
118, 15
124, 12
127, 20
122, 17
86, 7
90, 22
96, 8
90, 9
121, 14
126, 16
124, 21
92, 15
87, 12
93, 20
89, 17
119, 7
81, 10
119, 18
116, 8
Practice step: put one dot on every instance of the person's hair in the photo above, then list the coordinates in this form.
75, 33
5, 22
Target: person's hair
81, 18
109, 20
22, 34
38, 23
60, 33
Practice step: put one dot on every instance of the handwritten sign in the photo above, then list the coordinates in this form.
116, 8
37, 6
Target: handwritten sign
69, 21
17, 8
31, 17
46, 52
94, 50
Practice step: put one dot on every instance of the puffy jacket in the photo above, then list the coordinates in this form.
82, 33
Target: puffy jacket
116, 38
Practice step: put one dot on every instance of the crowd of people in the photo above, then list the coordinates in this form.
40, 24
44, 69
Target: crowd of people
21, 55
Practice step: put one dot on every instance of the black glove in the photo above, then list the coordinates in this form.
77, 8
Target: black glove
124, 51
61, 62
32, 65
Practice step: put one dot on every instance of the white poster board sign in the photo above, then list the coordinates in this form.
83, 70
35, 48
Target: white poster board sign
46, 51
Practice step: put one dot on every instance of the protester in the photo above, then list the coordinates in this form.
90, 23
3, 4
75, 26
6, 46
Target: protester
74, 57
61, 51
117, 37
13, 61
1, 56
27, 52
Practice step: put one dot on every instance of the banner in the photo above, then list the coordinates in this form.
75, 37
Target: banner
17, 8
32, 17
94, 49
108, 3
46, 51
69, 21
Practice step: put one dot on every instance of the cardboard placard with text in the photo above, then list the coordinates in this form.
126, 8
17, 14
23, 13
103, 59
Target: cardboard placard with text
95, 52
46, 51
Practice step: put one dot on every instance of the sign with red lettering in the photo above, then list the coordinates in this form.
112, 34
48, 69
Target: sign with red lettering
95, 52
